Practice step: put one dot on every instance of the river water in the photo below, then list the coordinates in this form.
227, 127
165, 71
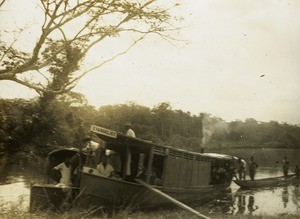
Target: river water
278, 201
275, 202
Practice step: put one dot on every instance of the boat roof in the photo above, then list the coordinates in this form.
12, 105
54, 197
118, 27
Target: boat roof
221, 156
117, 140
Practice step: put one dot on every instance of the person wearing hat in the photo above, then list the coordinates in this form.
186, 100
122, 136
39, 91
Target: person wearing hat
129, 131
94, 150
90, 146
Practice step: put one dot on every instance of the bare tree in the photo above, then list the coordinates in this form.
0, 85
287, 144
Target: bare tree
59, 51
2, 2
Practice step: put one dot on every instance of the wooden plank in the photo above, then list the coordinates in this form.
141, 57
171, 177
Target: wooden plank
125, 162
173, 200
163, 176
150, 162
177, 172
195, 174
189, 173
182, 173
170, 176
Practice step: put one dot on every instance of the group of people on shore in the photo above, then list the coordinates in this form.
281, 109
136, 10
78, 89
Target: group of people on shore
252, 167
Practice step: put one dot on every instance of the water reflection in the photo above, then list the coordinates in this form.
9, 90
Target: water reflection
241, 203
285, 196
296, 198
275, 201
269, 201
245, 203
251, 206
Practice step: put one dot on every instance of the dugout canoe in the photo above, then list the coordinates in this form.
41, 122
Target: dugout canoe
267, 182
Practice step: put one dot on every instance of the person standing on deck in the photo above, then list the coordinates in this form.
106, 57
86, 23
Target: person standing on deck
285, 166
131, 133
129, 130
252, 168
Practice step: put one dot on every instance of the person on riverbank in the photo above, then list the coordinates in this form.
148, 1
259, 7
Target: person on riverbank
252, 168
285, 166
242, 169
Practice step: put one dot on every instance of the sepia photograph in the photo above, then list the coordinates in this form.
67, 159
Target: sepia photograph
141, 109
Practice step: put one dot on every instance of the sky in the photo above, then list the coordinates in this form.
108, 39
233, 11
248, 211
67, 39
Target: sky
242, 61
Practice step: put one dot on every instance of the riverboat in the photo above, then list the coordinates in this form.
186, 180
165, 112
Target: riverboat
183, 175
267, 182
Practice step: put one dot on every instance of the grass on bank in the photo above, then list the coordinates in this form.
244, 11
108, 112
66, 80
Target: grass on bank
15, 211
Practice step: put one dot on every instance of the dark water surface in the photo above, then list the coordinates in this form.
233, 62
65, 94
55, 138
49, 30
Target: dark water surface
278, 201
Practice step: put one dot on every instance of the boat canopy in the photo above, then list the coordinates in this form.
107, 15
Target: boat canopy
59, 155
62, 152
221, 156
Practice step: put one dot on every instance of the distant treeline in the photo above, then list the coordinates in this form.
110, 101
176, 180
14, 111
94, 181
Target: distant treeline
29, 128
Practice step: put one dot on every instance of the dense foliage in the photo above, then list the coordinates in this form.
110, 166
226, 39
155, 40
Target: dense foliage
31, 130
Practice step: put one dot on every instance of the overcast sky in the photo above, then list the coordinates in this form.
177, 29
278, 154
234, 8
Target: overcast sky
242, 61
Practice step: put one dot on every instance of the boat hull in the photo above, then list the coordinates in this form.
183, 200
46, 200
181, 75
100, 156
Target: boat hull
51, 197
97, 190
268, 182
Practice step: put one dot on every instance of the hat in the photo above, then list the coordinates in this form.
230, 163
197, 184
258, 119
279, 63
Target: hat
127, 124
87, 138
109, 152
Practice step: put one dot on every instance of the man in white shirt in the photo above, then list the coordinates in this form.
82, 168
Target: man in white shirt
104, 168
65, 170
129, 131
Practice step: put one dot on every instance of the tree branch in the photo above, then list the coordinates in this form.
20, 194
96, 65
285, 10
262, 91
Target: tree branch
94, 21
2, 2
75, 80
